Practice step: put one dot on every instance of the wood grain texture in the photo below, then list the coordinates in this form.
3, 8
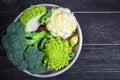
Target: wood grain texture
14, 6
100, 28
90, 76
95, 12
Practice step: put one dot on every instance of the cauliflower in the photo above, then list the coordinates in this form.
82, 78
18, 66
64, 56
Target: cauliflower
62, 23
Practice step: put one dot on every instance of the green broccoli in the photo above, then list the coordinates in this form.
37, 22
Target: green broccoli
34, 38
33, 59
43, 43
37, 68
19, 52
16, 27
15, 45
44, 18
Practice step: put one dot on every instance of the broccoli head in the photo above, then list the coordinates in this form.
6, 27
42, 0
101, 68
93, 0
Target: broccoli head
19, 52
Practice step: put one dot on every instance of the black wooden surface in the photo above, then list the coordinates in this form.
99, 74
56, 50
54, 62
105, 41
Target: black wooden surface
100, 24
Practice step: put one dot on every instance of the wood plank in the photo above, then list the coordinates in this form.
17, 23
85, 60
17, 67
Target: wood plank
100, 28
90, 76
6, 19
14, 6
98, 59
95, 12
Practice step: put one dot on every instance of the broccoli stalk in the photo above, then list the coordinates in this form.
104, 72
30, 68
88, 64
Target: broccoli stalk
34, 38
44, 18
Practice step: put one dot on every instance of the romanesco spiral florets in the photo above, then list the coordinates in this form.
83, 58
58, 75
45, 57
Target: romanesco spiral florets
57, 53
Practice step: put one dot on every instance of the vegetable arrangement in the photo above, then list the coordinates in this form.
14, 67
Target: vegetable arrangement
41, 39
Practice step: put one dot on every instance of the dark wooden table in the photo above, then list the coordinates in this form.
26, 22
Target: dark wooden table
100, 23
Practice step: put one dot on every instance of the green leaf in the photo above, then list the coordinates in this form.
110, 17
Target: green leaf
43, 19
56, 7
72, 55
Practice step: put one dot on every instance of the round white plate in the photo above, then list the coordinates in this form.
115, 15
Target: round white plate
72, 62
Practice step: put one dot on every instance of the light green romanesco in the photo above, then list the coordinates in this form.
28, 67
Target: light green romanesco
57, 53
30, 18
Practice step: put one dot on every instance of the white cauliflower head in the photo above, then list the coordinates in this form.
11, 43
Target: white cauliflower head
62, 22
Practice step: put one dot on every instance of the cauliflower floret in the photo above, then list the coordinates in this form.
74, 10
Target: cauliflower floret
62, 23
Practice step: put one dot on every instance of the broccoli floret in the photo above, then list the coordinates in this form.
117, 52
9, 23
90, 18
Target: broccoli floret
15, 44
19, 52
37, 68
33, 56
16, 27
4, 41
13, 28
